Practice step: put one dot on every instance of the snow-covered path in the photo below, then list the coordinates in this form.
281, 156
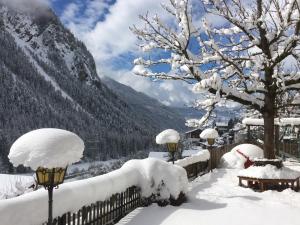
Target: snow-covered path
216, 199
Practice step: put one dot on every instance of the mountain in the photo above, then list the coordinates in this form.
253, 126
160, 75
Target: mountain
152, 110
189, 112
48, 79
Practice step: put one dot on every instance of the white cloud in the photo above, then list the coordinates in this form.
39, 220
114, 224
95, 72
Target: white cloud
109, 38
173, 93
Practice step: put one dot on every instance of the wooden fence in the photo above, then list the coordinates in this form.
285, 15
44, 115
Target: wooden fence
117, 206
289, 149
217, 153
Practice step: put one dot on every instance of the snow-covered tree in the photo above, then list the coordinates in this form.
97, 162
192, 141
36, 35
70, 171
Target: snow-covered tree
252, 59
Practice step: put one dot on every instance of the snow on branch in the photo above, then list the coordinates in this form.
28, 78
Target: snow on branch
253, 55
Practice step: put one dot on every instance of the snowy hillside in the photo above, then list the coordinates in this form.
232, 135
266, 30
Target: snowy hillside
50, 80
152, 110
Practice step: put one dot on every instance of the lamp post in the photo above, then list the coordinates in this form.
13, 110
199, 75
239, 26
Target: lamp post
50, 178
210, 135
53, 150
210, 142
172, 148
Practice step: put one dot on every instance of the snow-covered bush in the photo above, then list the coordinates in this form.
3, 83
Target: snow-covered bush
233, 159
47, 147
167, 136
155, 178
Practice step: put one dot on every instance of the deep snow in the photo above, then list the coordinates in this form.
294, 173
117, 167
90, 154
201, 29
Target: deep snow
15, 185
216, 198
233, 159
153, 176
46, 147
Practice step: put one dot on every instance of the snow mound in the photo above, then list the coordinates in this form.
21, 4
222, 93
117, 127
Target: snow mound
47, 147
269, 172
167, 136
153, 176
209, 133
160, 178
233, 159
200, 156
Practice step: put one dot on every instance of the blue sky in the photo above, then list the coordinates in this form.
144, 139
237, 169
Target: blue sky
103, 25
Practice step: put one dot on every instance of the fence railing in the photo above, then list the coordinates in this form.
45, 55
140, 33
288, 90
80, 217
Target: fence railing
217, 153
289, 149
196, 169
117, 206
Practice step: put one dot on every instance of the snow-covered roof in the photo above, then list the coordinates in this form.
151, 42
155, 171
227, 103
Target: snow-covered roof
190, 131
222, 123
209, 133
277, 121
47, 147
167, 136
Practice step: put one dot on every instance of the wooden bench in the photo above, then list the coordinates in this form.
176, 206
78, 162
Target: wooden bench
261, 184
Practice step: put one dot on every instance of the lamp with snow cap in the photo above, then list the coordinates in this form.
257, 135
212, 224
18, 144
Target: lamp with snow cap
210, 135
171, 138
48, 151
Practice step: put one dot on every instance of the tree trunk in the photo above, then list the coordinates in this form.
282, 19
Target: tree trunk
268, 115
277, 143
269, 129
269, 151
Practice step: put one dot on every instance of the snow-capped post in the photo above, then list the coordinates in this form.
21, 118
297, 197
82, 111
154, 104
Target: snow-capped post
169, 137
210, 135
48, 151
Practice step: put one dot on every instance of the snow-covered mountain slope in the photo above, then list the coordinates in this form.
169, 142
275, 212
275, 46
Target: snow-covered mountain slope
151, 109
49, 79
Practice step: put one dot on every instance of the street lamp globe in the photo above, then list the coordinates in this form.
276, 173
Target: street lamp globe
50, 177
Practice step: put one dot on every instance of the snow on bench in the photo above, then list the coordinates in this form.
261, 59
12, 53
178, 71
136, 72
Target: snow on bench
269, 177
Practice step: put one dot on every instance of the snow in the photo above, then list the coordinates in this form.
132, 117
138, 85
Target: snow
269, 172
216, 198
190, 152
153, 176
233, 159
167, 136
159, 155
15, 185
209, 133
201, 156
277, 121
47, 147
253, 121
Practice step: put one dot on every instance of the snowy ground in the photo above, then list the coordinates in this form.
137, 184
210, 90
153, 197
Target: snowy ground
216, 199
14, 185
